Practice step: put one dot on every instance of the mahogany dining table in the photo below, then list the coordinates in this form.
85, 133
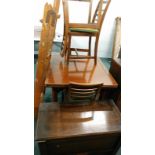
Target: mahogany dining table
60, 73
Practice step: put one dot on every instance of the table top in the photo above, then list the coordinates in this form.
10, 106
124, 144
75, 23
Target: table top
81, 71
56, 121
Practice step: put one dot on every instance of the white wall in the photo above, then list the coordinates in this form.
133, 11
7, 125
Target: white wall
80, 14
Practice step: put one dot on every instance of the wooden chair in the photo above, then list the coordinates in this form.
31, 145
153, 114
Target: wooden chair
47, 35
66, 23
91, 29
82, 94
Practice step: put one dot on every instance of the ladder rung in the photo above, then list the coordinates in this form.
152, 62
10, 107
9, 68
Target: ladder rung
81, 57
79, 50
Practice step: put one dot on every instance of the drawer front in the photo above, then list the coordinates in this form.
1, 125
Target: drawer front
82, 145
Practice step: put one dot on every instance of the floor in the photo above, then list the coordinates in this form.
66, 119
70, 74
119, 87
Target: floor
47, 96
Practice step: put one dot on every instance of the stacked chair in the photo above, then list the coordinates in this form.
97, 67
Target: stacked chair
45, 47
91, 29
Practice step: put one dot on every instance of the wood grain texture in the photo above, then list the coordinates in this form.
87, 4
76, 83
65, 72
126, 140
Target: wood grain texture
58, 121
44, 55
60, 74
64, 130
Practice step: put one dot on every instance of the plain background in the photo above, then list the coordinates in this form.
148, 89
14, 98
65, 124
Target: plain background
17, 81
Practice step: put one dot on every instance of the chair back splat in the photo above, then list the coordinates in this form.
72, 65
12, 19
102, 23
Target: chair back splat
100, 13
81, 94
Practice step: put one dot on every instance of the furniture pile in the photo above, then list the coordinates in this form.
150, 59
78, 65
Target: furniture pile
86, 120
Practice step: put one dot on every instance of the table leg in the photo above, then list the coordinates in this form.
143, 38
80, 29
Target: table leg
54, 95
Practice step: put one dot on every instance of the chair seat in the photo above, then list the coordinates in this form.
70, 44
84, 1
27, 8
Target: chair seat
88, 30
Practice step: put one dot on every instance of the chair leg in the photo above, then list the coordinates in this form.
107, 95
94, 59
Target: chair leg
69, 50
54, 95
96, 49
63, 46
89, 53
44, 90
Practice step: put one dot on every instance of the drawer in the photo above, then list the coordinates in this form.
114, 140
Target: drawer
76, 145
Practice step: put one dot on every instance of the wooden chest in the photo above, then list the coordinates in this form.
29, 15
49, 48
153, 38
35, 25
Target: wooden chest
93, 129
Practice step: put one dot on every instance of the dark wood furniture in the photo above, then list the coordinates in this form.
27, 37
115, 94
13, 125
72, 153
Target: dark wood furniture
94, 129
115, 70
90, 29
60, 74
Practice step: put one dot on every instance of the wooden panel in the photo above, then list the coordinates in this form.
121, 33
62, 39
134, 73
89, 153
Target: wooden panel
65, 130
84, 144
115, 70
57, 121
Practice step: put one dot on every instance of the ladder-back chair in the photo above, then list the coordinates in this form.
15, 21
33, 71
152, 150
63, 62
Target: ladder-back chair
82, 94
45, 46
91, 29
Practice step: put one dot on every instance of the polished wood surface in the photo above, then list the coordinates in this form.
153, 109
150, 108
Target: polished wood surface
65, 130
44, 55
60, 74
58, 121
